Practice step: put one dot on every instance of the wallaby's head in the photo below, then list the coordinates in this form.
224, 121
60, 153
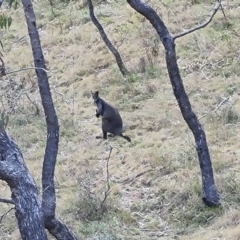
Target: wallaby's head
95, 96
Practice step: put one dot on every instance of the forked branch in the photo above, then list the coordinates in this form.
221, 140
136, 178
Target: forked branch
203, 25
210, 195
1, 218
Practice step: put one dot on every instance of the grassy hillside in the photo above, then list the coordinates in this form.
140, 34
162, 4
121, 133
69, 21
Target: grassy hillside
155, 180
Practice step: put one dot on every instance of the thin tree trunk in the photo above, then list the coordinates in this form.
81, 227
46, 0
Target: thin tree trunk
54, 226
25, 195
110, 46
210, 195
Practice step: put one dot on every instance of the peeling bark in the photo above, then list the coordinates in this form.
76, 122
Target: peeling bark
110, 46
25, 195
210, 195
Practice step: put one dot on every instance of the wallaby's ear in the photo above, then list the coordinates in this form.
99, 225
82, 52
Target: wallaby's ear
97, 93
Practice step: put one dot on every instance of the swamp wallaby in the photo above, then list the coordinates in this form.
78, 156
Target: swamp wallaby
111, 119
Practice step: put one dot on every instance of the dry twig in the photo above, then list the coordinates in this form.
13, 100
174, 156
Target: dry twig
217, 107
108, 183
222, 10
6, 200
36, 106
23, 69
128, 180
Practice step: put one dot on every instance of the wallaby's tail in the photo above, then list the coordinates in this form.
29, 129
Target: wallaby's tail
127, 138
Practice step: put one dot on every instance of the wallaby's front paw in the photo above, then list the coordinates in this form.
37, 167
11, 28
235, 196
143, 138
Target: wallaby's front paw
97, 115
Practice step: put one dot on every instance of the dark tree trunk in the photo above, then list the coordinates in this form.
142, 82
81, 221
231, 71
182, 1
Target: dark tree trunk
210, 194
54, 226
114, 51
23, 187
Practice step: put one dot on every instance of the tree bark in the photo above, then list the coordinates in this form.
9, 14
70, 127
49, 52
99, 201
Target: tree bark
110, 46
54, 226
210, 195
25, 195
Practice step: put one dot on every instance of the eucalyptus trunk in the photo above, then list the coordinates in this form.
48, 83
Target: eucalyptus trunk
210, 195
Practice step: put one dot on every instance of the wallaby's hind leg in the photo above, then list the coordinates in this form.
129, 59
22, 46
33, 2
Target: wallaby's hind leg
104, 135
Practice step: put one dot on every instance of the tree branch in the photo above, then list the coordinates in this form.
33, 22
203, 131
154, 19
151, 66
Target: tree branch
23, 69
217, 6
106, 40
1, 218
36, 106
6, 200
222, 10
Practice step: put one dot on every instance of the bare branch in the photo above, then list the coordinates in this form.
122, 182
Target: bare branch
23, 69
217, 6
36, 106
222, 10
221, 103
106, 40
6, 200
1, 218
128, 180
108, 184
210, 195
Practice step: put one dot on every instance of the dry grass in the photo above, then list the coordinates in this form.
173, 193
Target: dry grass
165, 201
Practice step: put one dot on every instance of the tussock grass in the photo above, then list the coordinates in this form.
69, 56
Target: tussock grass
155, 181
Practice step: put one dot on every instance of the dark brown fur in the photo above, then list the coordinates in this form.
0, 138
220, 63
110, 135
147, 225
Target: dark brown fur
111, 119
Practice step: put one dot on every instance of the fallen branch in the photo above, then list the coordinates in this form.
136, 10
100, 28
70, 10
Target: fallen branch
128, 180
221, 103
216, 8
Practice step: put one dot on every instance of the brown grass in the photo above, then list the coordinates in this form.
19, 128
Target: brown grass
165, 201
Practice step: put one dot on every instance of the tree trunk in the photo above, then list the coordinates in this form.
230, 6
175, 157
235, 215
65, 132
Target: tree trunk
23, 187
114, 51
210, 195
54, 226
